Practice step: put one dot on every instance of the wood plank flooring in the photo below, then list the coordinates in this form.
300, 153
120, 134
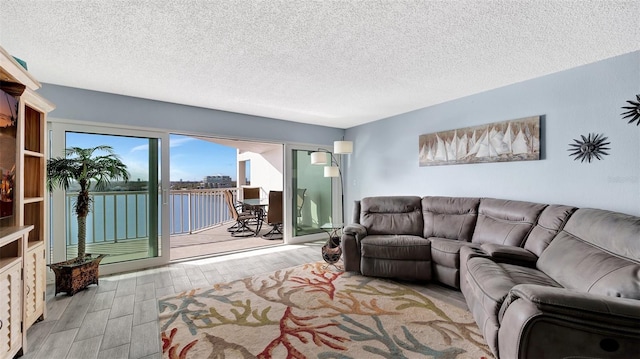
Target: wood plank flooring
119, 318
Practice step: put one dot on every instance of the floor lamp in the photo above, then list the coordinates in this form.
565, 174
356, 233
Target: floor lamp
332, 169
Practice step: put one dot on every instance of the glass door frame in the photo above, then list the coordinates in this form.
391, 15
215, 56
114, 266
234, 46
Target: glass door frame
290, 193
57, 131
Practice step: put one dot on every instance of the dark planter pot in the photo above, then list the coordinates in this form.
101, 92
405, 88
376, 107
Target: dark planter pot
76, 274
331, 251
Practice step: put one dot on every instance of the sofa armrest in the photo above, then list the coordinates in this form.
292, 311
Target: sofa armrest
510, 254
355, 229
350, 243
566, 302
539, 322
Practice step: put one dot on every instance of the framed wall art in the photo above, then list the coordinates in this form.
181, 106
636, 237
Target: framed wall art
514, 140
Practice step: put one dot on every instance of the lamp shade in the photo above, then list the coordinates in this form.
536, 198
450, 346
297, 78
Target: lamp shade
318, 158
331, 171
342, 147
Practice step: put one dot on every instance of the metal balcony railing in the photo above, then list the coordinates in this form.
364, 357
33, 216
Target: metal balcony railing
117, 216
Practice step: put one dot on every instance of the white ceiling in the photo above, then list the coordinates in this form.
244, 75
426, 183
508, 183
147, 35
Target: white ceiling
334, 63
244, 146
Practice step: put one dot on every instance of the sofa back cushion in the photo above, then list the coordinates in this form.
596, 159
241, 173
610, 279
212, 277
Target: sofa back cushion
551, 221
450, 217
392, 215
598, 252
505, 222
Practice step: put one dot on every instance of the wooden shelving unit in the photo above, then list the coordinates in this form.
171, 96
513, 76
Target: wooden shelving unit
23, 237
33, 205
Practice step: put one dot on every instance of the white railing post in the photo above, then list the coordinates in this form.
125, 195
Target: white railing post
189, 212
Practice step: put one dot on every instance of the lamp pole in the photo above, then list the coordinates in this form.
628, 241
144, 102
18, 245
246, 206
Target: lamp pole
341, 187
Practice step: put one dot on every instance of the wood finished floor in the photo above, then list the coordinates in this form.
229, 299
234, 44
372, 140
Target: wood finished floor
119, 318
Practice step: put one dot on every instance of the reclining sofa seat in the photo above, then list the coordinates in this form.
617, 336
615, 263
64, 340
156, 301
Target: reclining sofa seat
448, 224
490, 271
487, 221
596, 313
386, 240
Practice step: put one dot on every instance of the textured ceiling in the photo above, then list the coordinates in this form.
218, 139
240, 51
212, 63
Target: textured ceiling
335, 63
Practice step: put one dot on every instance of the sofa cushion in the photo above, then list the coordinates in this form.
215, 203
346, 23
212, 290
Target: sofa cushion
505, 222
597, 252
490, 282
397, 247
613, 232
551, 221
446, 252
392, 215
449, 217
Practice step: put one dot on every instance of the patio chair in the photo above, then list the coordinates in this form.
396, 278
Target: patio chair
243, 219
274, 216
250, 192
236, 204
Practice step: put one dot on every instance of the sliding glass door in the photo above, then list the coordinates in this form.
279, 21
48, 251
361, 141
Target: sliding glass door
310, 195
127, 219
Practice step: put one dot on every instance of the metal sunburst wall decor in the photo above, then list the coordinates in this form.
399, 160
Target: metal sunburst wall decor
591, 146
633, 111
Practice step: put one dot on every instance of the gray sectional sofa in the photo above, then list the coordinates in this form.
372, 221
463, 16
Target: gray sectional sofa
541, 280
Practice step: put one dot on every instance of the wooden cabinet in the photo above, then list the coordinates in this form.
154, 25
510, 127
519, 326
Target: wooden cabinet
23, 229
34, 283
12, 335
10, 325
10, 302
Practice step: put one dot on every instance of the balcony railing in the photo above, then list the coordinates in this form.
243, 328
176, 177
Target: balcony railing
119, 216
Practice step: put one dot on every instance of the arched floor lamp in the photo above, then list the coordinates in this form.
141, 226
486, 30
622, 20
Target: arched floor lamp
331, 251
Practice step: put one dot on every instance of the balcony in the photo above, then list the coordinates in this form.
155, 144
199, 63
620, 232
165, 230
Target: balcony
117, 225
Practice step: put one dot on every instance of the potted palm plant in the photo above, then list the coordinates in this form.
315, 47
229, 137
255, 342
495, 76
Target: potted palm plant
98, 166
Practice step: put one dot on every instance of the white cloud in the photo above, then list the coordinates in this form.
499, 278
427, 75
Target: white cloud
180, 141
140, 148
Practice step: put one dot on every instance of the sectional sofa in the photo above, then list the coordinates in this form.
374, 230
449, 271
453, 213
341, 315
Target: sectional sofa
541, 280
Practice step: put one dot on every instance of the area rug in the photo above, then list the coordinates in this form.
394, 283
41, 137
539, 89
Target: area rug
312, 311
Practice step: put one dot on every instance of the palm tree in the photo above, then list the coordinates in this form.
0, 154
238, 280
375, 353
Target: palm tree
82, 166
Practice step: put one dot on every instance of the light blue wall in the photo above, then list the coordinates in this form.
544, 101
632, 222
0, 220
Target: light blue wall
77, 104
573, 102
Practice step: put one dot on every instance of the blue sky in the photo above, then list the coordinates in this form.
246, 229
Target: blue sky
191, 159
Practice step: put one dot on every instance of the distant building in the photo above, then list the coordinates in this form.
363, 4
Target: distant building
218, 181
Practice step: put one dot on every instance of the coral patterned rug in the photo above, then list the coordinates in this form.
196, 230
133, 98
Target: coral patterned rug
311, 311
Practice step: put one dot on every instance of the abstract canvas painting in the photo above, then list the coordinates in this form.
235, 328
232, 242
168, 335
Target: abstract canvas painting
514, 140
